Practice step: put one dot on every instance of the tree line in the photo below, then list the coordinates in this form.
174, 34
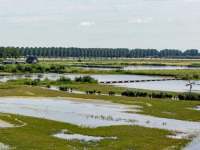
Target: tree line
60, 52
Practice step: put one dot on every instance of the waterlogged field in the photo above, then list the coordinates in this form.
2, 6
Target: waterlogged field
53, 119
41, 134
170, 86
124, 126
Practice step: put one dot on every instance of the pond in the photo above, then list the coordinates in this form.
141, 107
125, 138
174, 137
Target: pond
5, 124
64, 135
174, 86
92, 113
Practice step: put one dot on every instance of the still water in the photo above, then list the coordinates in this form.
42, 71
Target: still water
141, 68
174, 86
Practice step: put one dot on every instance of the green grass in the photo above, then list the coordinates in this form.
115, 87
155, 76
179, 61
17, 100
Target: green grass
37, 135
114, 61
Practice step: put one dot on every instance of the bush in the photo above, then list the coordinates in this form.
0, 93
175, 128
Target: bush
63, 88
35, 82
189, 96
87, 79
131, 93
48, 86
111, 93
65, 79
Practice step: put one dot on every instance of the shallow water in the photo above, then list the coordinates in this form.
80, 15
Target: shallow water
194, 145
141, 68
88, 113
5, 124
91, 113
3, 147
175, 86
66, 136
55, 76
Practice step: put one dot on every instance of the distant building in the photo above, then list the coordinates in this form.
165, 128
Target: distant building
32, 60
7, 62
20, 62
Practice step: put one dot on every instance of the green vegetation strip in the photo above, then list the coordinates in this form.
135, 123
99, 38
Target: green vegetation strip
184, 74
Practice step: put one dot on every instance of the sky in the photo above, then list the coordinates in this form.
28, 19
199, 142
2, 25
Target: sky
158, 24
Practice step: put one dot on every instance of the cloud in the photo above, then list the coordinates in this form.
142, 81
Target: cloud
86, 24
141, 20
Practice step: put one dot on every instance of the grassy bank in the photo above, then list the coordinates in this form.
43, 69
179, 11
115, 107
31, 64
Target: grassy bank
125, 61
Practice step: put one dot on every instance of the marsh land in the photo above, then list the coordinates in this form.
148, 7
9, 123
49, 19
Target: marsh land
57, 105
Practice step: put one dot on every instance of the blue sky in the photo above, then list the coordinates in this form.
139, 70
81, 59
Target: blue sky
172, 24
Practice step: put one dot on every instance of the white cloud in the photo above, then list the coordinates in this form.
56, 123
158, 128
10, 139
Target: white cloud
141, 20
86, 24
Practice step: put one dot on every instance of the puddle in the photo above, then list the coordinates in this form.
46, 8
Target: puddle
3, 147
180, 136
63, 135
5, 124
198, 108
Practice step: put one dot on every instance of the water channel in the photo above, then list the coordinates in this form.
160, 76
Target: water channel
141, 68
93, 114
175, 86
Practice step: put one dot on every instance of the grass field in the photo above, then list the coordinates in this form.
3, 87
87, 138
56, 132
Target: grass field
120, 61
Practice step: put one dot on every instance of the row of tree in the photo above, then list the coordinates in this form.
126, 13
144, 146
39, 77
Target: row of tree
60, 52
9, 52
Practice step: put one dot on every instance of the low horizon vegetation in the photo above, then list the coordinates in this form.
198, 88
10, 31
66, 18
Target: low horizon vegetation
184, 74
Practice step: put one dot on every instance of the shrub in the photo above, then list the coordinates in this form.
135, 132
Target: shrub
65, 79
48, 86
63, 88
189, 96
84, 79
91, 92
111, 93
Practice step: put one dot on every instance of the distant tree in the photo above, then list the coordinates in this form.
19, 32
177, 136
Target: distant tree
13, 53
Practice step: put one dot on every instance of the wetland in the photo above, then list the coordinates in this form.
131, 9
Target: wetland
47, 118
